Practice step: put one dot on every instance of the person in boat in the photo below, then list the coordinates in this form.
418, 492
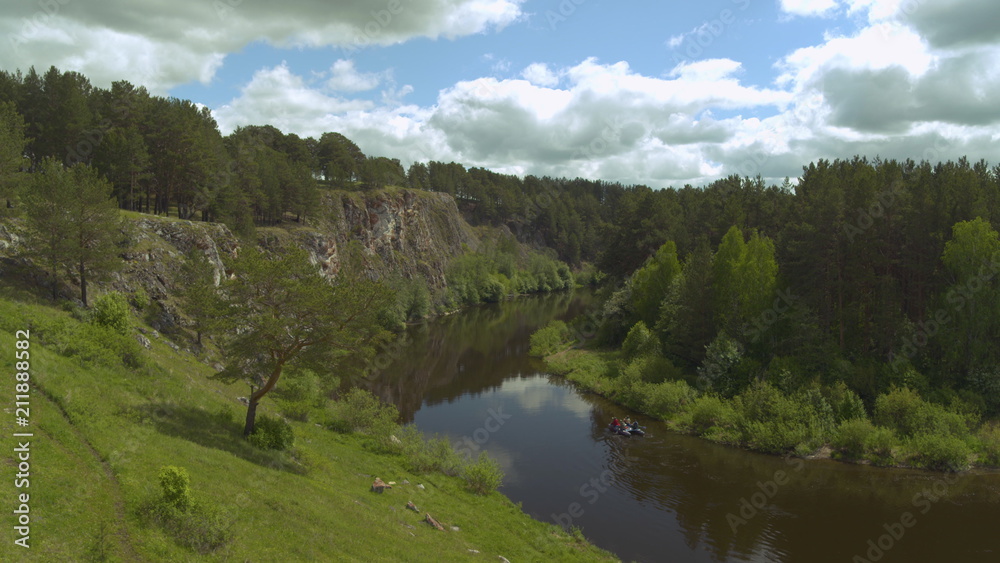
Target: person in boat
614, 423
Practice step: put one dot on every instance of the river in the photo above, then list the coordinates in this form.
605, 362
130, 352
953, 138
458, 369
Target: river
666, 497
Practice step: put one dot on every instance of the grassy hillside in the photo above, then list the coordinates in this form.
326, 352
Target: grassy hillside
107, 415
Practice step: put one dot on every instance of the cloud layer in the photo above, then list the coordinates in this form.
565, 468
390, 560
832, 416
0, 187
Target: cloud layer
908, 79
163, 43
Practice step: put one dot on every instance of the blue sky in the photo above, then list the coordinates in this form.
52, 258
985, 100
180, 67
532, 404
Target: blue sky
637, 91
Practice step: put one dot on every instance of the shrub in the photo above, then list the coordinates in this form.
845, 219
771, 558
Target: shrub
846, 404
669, 398
771, 422
851, 438
436, 454
721, 356
176, 487
271, 433
360, 411
191, 523
111, 310
989, 440
140, 298
939, 452
493, 289
903, 410
550, 339
779, 437
708, 411
484, 475
881, 446
639, 342
92, 343
364, 411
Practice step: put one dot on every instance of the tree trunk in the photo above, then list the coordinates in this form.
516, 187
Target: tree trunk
251, 416
83, 284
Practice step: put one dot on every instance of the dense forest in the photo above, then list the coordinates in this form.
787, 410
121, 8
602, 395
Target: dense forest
868, 271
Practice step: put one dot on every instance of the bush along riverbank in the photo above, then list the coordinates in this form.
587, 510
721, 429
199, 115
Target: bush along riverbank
900, 429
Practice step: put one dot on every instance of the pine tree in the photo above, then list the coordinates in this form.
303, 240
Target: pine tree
74, 221
281, 312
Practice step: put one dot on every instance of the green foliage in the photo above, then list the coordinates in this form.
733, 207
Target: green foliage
657, 369
772, 422
989, 439
985, 381
718, 372
94, 344
12, 142
412, 302
709, 411
279, 313
176, 486
845, 403
881, 446
666, 400
73, 222
111, 310
191, 523
198, 290
904, 411
852, 438
484, 475
651, 283
271, 433
549, 339
140, 299
430, 455
491, 275
360, 411
939, 452
640, 342
300, 394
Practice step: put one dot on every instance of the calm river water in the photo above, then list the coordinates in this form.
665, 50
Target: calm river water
667, 497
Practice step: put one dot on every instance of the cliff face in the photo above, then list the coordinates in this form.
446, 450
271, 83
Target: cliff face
405, 232
399, 232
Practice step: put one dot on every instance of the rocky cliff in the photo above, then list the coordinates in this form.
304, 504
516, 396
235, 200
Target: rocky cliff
407, 232
396, 231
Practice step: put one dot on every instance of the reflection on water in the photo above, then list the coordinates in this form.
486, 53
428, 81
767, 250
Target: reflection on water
667, 497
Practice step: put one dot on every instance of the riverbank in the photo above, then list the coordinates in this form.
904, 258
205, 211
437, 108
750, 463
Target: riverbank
108, 414
903, 431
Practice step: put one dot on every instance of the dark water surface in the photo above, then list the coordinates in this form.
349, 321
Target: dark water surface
667, 497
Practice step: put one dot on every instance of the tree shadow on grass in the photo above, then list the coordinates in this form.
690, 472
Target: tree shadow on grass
216, 430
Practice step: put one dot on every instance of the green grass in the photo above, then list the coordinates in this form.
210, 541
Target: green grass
103, 432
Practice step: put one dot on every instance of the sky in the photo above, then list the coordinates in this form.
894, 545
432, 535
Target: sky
661, 93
